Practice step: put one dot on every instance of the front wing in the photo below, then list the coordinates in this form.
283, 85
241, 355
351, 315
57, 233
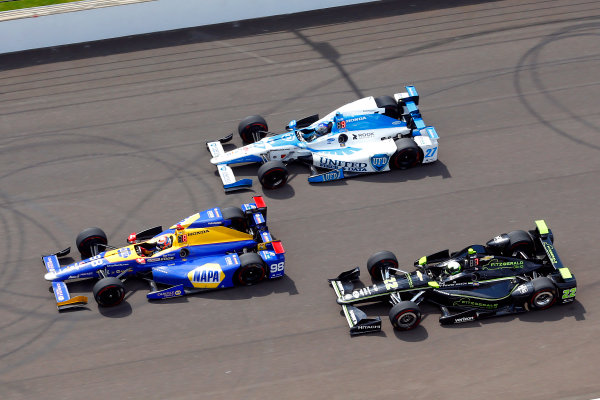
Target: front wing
64, 300
230, 183
357, 320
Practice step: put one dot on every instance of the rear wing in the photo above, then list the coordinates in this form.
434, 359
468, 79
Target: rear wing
425, 136
230, 183
563, 278
64, 300
408, 106
256, 213
546, 239
357, 320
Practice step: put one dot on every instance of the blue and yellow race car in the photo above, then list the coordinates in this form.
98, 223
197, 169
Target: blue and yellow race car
213, 249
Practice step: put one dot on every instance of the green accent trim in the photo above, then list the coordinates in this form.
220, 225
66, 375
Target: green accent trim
485, 298
542, 227
565, 273
347, 315
433, 284
471, 251
423, 260
355, 300
336, 290
410, 282
506, 278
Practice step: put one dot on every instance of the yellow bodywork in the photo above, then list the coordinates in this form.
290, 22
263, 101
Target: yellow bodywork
181, 239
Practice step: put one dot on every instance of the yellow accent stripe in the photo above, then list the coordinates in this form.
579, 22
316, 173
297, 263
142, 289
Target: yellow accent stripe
542, 227
73, 300
347, 314
565, 273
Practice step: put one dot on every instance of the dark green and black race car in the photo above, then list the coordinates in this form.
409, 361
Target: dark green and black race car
512, 273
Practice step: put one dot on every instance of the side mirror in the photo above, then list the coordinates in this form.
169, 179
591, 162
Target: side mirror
291, 126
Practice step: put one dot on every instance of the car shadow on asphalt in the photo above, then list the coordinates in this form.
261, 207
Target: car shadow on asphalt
265, 288
135, 285
574, 310
296, 170
249, 171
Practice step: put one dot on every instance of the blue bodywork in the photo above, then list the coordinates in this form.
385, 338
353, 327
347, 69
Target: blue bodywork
204, 255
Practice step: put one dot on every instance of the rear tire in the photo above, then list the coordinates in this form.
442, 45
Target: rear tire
237, 218
251, 270
519, 241
408, 154
87, 239
252, 127
109, 292
390, 105
273, 175
378, 262
405, 315
544, 293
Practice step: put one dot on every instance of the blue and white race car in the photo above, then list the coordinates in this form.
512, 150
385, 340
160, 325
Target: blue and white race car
366, 136
213, 249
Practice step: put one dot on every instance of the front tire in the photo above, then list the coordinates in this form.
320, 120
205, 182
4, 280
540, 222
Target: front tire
519, 241
109, 292
237, 218
408, 154
88, 240
251, 270
252, 128
273, 175
379, 262
405, 315
389, 104
544, 293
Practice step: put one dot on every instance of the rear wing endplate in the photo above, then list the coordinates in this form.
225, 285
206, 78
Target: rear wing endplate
547, 244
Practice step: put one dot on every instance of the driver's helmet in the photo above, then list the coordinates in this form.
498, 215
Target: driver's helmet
322, 128
163, 242
453, 267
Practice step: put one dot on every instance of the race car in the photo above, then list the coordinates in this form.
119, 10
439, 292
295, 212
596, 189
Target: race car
213, 249
512, 273
366, 136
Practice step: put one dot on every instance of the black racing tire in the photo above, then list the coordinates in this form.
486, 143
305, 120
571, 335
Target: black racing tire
405, 315
408, 154
273, 175
390, 105
251, 270
519, 241
380, 260
237, 218
86, 240
251, 125
109, 292
544, 293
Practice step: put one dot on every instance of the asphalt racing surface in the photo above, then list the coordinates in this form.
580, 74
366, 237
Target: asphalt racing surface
112, 135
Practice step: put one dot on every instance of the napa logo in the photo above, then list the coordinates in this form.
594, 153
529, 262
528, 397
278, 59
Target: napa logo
207, 276
379, 161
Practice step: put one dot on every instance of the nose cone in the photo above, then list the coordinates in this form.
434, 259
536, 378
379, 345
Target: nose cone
50, 276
